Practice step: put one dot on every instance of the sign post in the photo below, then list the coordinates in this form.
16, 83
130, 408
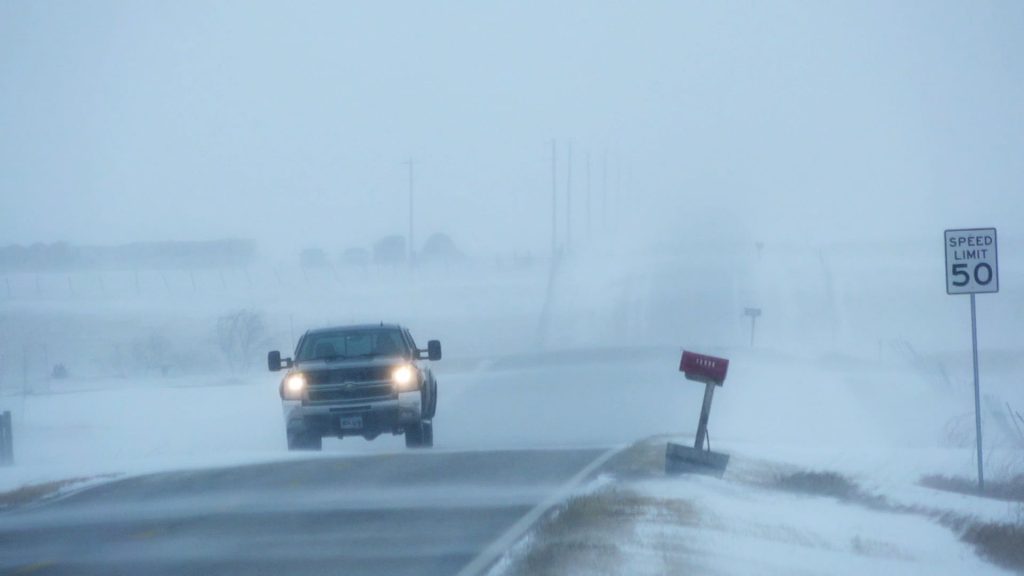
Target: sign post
972, 267
753, 313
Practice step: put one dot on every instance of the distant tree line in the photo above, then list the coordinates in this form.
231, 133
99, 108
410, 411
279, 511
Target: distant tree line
387, 251
138, 255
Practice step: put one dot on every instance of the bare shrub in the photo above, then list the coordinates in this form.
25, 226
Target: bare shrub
151, 353
1001, 542
959, 431
240, 335
818, 484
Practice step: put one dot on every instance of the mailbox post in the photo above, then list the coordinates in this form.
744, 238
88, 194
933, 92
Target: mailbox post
6, 439
711, 371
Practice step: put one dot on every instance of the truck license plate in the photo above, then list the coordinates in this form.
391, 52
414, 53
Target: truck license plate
351, 422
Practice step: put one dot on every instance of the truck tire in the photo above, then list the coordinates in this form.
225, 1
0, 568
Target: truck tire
428, 399
428, 435
432, 406
305, 441
415, 435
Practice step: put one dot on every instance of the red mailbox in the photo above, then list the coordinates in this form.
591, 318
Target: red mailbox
709, 370
704, 368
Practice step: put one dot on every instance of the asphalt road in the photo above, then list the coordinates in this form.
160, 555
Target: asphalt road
403, 513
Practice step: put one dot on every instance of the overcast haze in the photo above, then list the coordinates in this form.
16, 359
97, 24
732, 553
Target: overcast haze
769, 184
291, 123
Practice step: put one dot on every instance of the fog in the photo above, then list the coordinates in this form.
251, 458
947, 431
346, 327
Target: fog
800, 157
595, 186
290, 124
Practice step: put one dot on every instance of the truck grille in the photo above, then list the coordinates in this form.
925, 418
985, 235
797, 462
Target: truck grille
356, 375
347, 393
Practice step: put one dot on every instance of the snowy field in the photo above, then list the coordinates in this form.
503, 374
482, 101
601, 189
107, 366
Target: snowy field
735, 525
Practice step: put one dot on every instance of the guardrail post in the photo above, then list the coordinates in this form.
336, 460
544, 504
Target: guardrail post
6, 439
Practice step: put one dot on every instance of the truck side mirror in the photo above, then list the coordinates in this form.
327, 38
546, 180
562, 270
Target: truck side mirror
274, 361
434, 350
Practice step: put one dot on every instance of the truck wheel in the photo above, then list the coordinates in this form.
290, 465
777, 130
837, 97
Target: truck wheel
414, 435
305, 441
432, 408
428, 434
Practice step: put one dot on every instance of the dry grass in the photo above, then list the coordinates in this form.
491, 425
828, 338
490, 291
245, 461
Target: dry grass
588, 535
999, 542
641, 461
1003, 543
828, 484
877, 549
818, 484
576, 556
585, 536
1011, 490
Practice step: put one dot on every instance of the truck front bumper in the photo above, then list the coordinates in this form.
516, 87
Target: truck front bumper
377, 416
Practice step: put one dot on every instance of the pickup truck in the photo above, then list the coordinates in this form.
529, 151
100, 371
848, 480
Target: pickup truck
363, 380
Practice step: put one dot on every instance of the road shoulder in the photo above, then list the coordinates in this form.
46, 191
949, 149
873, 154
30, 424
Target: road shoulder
760, 517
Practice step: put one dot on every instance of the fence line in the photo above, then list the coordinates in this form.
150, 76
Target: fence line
85, 284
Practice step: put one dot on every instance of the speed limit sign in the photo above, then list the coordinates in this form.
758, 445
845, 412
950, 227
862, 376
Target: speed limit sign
972, 265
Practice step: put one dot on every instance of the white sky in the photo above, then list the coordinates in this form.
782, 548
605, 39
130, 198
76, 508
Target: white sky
289, 122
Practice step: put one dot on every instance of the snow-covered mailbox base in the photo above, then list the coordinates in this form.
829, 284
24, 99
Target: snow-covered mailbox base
678, 458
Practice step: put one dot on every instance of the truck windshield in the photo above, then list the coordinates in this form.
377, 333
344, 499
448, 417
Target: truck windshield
353, 343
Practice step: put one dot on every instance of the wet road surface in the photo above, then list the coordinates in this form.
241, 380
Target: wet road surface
403, 513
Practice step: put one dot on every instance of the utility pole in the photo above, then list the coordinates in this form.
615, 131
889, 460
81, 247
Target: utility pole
588, 198
604, 192
412, 252
617, 191
568, 201
24, 369
554, 200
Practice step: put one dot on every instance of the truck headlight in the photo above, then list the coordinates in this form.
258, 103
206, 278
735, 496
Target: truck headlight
403, 377
293, 387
